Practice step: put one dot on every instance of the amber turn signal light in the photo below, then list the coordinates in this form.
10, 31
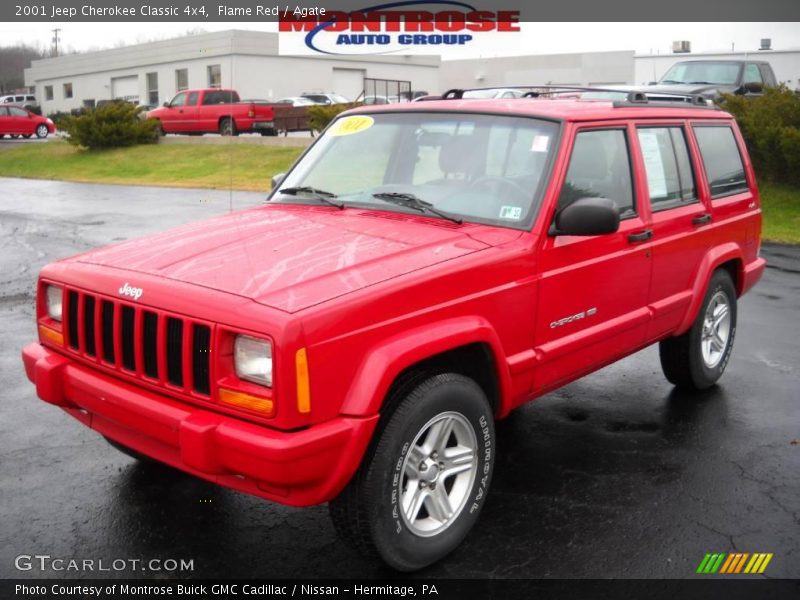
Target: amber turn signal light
51, 335
247, 401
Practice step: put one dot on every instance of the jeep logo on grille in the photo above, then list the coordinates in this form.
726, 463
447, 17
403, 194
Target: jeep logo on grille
133, 292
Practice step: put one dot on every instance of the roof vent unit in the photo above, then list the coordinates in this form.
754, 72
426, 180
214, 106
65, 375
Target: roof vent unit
766, 44
681, 47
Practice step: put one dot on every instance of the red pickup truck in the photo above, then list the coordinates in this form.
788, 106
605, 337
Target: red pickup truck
423, 269
214, 110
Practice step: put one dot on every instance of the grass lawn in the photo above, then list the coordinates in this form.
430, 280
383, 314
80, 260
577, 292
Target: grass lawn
249, 167
221, 166
781, 206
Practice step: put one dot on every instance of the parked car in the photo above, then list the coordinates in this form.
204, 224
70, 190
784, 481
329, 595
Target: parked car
213, 110
413, 95
422, 270
325, 98
16, 121
23, 100
296, 101
376, 100
427, 98
711, 78
506, 93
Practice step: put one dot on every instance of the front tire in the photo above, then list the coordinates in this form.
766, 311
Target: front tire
422, 484
41, 131
697, 359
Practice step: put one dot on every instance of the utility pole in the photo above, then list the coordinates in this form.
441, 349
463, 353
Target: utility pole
55, 41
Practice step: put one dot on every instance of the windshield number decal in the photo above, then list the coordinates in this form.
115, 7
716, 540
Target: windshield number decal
511, 212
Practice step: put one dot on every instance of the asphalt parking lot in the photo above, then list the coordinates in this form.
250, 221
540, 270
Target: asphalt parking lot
614, 476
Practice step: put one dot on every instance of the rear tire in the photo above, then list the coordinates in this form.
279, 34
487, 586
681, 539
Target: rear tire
697, 359
227, 127
423, 481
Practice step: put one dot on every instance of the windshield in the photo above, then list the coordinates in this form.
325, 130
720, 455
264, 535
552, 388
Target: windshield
481, 168
703, 72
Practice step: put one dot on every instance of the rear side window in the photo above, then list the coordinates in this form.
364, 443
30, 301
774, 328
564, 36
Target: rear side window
670, 180
721, 159
600, 167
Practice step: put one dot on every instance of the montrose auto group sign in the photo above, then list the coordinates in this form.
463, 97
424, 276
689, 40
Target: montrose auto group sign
405, 27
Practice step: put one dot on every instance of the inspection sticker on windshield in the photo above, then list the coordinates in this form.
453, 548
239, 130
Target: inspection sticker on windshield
351, 125
540, 143
511, 212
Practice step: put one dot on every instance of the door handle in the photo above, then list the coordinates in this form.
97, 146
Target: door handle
706, 218
641, 236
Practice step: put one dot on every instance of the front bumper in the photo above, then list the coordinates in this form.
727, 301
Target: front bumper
299, 468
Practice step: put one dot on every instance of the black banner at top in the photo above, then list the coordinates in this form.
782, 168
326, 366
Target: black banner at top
273, 10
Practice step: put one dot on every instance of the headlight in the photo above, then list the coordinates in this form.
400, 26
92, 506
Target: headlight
253, 360
53, 294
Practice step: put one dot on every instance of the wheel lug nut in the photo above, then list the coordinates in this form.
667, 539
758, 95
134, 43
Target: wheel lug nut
434, 455
422, 484
423, 466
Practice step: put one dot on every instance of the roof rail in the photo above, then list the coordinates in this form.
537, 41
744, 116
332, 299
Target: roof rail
631, 97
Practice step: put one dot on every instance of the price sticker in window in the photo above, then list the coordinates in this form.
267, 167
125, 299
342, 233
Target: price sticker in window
540, 143
351, 125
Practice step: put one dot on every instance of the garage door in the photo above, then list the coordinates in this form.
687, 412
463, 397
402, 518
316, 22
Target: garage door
348, 82
126, 88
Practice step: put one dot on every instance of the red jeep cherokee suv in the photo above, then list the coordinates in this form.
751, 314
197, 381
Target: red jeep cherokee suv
421, 271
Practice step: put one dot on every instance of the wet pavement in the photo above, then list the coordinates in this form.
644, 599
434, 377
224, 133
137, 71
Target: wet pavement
616, 475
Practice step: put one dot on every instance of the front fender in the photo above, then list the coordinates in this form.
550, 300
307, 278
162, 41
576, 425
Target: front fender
385, 361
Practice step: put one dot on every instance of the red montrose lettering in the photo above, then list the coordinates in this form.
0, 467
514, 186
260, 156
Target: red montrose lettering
408, 21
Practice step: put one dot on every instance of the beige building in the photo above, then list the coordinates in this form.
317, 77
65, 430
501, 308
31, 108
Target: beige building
247, 61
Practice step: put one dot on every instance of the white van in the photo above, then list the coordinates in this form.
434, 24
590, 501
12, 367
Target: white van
24, 100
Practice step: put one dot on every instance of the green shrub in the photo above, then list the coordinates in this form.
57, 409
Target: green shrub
319, 116
111, 125
770, 125
59, 118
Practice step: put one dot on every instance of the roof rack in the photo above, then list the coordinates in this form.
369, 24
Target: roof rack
632, 97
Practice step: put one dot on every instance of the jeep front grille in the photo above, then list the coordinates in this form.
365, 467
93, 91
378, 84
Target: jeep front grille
142, 343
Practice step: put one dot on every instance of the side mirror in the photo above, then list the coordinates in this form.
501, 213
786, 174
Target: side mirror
588, 216
753, 87
277, 179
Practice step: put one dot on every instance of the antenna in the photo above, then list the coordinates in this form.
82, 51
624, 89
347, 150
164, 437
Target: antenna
55, 40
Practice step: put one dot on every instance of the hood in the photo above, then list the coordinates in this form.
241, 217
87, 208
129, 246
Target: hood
292, 257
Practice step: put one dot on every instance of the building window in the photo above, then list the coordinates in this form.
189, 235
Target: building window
67, 90
152, 89
181, 79
89, 103
214, 76
48, 92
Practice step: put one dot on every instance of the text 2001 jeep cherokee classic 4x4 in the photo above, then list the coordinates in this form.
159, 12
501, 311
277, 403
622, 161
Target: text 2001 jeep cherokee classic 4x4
422, 270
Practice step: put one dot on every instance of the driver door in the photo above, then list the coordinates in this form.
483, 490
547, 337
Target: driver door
594, 289
172, 119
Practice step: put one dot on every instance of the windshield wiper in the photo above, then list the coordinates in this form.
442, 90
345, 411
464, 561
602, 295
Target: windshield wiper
701, 83
411, 201
321, 195
668, 81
